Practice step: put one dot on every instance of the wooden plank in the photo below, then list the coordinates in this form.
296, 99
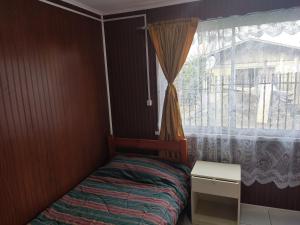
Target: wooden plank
173, 147
53, 106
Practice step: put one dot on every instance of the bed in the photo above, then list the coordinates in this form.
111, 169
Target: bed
131, 189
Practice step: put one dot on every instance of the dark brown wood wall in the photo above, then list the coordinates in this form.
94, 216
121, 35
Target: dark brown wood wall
127, 74
53, 106
270, 195
126, 56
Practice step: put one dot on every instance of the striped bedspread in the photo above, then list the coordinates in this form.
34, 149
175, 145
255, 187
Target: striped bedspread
129, 190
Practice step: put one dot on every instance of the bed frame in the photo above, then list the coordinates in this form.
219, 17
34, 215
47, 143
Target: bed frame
175, 151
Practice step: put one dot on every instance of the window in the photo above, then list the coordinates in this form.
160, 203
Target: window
241, 76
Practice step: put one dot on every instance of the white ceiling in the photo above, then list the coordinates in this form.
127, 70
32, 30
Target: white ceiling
119, 6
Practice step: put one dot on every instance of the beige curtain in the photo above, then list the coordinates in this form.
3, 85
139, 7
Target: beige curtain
172, 41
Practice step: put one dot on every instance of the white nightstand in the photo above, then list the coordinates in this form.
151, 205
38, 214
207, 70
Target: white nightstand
216, 190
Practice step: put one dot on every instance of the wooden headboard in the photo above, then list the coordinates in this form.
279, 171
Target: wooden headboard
175, 151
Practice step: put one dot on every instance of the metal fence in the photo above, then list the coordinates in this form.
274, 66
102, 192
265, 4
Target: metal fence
266, 101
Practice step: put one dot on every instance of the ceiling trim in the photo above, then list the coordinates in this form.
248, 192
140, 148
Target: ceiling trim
84, 6
150, 6
71, 10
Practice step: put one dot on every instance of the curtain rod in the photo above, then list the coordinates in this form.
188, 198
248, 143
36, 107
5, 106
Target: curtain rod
70, 10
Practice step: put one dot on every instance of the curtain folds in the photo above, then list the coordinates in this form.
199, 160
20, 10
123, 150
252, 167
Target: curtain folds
172, 41
239, 93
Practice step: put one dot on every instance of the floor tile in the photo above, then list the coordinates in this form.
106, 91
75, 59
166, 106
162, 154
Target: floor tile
259, 215
254, 215
284, 217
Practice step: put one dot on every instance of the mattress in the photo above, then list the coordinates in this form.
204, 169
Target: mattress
128, 190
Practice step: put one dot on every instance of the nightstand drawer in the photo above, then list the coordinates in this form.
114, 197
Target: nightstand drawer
216, 187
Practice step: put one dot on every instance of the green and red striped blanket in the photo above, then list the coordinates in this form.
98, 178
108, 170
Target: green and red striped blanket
129, 190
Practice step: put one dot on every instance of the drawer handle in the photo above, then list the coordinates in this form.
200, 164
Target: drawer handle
214, 180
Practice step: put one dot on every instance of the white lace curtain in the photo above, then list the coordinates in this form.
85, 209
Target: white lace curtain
239, 93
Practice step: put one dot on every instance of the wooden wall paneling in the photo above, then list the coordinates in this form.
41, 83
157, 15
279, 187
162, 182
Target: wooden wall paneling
127, 68
53, 106
270, 195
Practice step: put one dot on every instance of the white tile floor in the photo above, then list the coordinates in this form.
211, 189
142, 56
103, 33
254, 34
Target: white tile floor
259, 215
